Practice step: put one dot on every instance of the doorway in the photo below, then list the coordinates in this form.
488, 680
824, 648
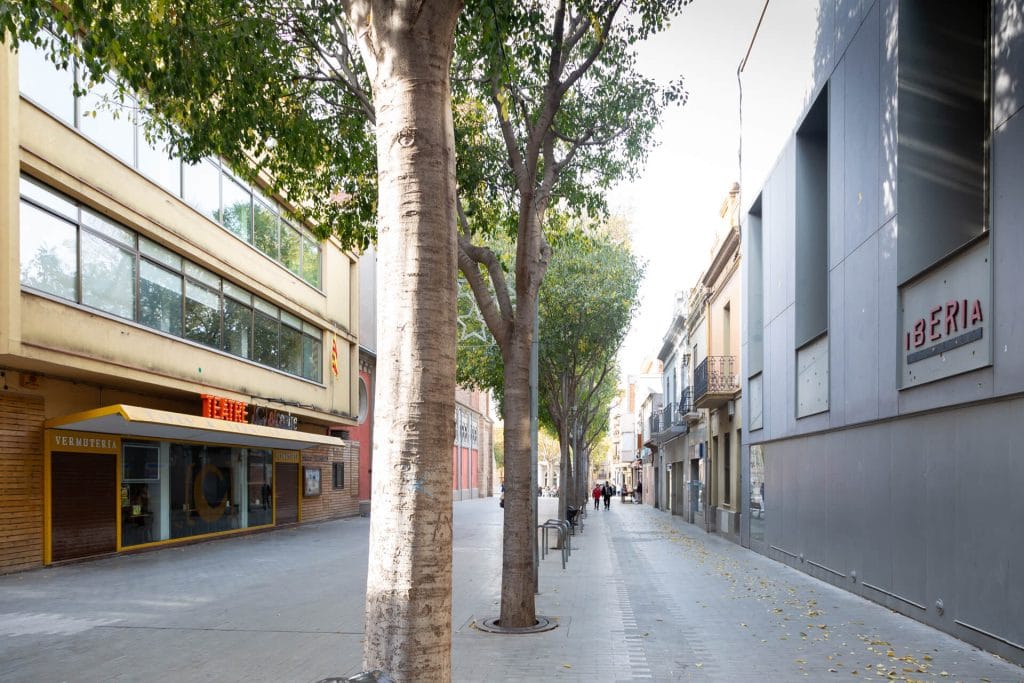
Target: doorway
83, 505
286, 493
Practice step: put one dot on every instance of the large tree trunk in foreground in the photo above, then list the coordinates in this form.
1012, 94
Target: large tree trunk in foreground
408, 49
517, 584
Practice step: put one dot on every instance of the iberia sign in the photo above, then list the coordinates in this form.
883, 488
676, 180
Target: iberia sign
952, 324
943, 319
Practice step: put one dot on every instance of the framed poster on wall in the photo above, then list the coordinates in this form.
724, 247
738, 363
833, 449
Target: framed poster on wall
311, 481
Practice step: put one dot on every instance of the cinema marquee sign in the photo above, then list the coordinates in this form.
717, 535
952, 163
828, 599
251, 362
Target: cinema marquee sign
946, 319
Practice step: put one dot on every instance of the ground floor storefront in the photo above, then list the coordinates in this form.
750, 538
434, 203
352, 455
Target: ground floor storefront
122, 477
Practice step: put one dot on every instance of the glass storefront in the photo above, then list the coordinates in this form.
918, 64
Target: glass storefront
177, 490
757, 493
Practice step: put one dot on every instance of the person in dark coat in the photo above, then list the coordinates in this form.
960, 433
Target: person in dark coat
606, 492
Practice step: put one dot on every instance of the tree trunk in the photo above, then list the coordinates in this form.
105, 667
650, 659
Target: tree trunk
517, 585
408, 585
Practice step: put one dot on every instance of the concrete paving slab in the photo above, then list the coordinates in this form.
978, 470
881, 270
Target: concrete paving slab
644, 597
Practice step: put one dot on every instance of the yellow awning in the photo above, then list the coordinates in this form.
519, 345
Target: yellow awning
162, 424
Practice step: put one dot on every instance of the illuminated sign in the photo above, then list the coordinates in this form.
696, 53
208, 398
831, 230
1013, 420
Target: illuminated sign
220, 408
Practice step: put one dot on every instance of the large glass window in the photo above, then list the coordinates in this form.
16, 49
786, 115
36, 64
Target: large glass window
291, 246
141, 509
49, 258
157, 162
758, 506
260, 486
237, 213
202, 314
120, 127
201, 481
160, 298
312, 356
291, 346
108, 120
310, 262
45, 83
89, 259
266, 230
237, 327
108, 276
267, 339
201, 188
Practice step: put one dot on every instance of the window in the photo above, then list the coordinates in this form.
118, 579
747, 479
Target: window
108, 276
812, 223
108, 120
754, 260
201, 188
291, 255
237, 321
310, 262
942, 130
202, 314
290, 356
267, 335
260, 484
266, 224
339, 474
82, 256
45, 83
157, 162
237, 212
160, 298
312, 353
119, 127
49, 258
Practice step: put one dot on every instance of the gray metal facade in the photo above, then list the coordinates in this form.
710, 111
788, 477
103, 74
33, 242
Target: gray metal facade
908, 496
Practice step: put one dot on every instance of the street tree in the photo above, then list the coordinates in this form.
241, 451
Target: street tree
348, 100
550, 112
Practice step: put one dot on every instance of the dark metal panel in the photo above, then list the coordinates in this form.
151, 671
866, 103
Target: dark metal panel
286, 492
84, 495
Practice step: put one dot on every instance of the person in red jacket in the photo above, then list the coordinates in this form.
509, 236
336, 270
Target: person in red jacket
596, 495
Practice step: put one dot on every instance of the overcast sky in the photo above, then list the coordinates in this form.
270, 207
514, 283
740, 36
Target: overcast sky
674, 206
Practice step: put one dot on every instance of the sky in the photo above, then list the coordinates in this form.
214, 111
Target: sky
673, 207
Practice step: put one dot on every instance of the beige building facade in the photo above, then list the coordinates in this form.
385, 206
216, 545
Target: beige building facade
175, 349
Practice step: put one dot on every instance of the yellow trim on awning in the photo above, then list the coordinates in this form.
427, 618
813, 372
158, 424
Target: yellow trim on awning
163, 424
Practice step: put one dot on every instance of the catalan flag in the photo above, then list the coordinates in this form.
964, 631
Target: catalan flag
334, 355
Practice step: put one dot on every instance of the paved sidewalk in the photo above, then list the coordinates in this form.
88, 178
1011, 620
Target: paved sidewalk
644, 597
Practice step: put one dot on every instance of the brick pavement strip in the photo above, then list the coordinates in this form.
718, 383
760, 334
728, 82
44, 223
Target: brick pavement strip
644, 597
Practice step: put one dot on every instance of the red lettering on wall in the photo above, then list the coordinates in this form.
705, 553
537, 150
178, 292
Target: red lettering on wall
919, 333
952, 308
976, 312
933, 324
963, 313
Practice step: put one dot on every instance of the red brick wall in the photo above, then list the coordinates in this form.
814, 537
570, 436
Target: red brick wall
332, 503
21, 482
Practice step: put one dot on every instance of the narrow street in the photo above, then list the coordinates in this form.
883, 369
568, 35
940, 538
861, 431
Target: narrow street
644, 597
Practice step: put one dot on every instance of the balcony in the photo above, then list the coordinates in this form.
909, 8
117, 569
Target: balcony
715, 382
687, 410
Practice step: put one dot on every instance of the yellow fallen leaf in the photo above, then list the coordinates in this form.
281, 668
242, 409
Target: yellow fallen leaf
698, 665
567, 666
927, 658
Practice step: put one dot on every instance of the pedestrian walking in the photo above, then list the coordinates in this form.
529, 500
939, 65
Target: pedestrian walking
638, 493
596, 494
606, 492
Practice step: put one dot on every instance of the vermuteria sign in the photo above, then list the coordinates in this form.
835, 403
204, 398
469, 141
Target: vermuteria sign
946, 319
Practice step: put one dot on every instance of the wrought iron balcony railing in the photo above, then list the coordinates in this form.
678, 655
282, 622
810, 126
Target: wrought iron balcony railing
714, 380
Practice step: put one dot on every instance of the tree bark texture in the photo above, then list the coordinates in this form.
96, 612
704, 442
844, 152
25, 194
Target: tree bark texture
517, 584
408, 48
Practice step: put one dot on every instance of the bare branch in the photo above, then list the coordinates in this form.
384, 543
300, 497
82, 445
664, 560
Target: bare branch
494, 302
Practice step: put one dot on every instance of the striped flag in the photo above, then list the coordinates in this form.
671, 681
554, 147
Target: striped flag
334, 355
